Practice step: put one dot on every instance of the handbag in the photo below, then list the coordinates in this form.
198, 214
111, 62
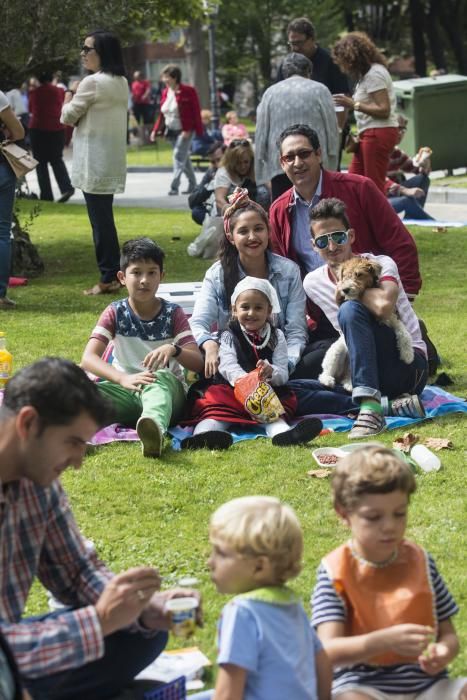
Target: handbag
19, 160
351, 144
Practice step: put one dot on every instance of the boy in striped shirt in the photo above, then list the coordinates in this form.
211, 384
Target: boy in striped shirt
380, 607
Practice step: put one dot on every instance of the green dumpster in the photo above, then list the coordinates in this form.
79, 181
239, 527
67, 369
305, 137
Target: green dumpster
437, 112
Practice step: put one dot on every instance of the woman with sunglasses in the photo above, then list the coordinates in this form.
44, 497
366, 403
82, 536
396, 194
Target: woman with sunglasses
373, 102
245, 251
238, 170
98, 111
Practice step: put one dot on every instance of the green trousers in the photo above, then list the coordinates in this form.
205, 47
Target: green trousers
163, 401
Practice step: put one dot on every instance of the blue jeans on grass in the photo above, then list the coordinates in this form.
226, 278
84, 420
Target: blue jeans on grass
104, 233
7, 199
413, 206
375, 365
126, 654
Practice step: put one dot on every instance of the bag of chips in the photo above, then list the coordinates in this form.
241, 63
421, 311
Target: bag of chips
258, 398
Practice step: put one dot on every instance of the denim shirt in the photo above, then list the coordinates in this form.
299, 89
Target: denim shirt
212, 308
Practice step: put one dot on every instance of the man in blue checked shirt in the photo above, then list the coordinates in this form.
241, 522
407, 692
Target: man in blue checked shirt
113, 625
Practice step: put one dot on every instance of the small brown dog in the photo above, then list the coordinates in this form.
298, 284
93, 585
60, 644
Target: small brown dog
354, 276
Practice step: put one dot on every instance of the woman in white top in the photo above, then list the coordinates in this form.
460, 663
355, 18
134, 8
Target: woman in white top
11, 129
374, 102
98, 111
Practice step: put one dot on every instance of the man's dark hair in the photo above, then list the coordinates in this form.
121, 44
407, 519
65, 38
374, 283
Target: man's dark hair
59, 390
172, 71
45, 76
108, 47
296, 64
141, 249
213, 148
331, 208
302, 25
300, 130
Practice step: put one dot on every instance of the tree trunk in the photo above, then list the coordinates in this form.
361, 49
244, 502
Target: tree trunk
25, 258
198, 61
417, 25
434, 37
452, 17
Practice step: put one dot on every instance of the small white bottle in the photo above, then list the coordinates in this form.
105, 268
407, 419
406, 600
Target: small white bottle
425, 458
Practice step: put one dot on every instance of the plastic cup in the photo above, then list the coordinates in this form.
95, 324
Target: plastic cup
183, 613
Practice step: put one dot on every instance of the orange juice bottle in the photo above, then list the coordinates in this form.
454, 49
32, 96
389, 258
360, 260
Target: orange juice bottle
6, 362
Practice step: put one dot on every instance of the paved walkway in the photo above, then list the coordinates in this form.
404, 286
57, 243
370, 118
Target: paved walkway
149, 190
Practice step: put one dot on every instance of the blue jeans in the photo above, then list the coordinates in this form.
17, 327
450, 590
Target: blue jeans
182, 162
104, 233
375, 365
314, 397
413, 206
7, 199
126, 654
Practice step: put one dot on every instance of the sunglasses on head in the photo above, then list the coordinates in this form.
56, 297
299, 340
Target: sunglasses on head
87, 49
302, 154
239, 142
337, 237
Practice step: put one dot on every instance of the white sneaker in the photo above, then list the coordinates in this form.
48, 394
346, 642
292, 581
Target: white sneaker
150, 434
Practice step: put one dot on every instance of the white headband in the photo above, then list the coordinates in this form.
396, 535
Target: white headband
260, 285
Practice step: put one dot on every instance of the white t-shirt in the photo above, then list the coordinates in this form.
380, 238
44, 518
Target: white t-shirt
377, 78
3, 101
320, 287
170, 111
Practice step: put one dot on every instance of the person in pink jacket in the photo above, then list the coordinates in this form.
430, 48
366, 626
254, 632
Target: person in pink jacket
179, 119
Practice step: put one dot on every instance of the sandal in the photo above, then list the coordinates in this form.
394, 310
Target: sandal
103, 288
367, 424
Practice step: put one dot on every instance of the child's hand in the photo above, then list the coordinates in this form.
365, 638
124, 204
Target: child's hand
435, 658
265, 370
211, 362
408, 640
159, 357
135, 382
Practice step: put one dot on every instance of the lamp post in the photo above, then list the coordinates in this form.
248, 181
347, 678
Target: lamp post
211, 10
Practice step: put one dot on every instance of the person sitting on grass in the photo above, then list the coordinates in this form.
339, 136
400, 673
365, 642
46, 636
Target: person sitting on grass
380, 607
152, 343
267, 648
375, 364
250, 342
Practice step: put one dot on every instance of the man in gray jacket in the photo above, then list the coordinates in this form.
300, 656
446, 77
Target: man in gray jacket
297, 99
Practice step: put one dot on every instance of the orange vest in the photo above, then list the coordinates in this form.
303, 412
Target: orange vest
379, 597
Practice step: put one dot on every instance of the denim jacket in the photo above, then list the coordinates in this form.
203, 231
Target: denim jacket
212, 308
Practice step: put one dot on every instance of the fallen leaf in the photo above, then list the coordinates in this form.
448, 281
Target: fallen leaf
438, 443
319, 473
405, 442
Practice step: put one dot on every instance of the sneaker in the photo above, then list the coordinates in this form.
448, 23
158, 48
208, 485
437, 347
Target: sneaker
367, 424
151, 437
173, 193
406, 406
7, 304
66, 196
211, 439
303, 432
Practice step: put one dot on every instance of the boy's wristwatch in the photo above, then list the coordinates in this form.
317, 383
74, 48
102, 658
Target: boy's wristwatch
178, 349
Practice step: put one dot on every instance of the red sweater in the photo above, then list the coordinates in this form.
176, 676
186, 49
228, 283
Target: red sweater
378, 229
188, 108
45, 106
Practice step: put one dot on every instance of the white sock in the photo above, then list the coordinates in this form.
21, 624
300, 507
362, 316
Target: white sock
209, 424
279, 426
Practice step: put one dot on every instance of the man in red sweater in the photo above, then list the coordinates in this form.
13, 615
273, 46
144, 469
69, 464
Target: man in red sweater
378, 228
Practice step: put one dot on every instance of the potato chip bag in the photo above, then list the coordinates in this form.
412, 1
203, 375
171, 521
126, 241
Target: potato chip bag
258, 398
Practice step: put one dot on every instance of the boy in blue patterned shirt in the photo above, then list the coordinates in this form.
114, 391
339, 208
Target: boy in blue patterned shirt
152, 342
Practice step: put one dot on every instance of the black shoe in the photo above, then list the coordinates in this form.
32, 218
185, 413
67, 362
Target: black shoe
211, 439
190, 190
303, 432
173, 193
433, 357
66, 196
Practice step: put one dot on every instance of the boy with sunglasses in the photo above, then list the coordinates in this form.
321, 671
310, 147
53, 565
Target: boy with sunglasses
375, 364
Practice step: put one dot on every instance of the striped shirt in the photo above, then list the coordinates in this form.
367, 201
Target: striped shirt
133, 337
39, 537
327, 606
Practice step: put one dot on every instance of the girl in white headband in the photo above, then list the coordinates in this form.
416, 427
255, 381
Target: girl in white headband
251, 342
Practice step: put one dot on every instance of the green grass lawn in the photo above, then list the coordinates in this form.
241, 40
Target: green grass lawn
155, 154
143, 511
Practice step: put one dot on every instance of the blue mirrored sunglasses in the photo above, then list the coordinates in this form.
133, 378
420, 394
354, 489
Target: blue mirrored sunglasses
337, 237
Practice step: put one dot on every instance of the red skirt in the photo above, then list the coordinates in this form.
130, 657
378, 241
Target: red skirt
219, 403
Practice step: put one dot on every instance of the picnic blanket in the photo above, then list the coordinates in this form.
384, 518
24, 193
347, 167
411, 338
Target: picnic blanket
436, 401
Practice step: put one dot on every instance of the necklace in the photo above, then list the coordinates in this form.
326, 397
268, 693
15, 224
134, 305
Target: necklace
374, 564
259, 346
